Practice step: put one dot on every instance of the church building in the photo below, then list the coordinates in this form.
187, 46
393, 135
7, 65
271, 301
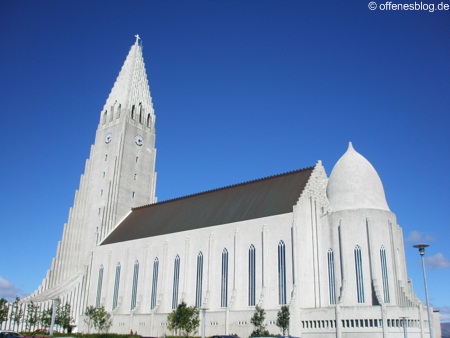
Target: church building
329, 247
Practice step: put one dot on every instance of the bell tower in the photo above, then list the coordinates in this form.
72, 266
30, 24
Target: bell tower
124, 149
119, 174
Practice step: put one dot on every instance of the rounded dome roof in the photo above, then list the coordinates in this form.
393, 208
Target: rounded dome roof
355, 184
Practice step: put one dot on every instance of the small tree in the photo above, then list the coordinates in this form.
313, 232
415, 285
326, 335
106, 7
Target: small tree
32, 315
17, 312
90, 314
63, 317
258, 322
46, 317
283, 317
4, 309
102, 320
184, 318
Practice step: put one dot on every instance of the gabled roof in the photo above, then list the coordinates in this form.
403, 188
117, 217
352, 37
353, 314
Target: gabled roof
269, 196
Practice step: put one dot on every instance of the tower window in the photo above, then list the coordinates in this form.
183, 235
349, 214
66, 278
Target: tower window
132, 112
135, 175
137, 158
133, 194
106, 157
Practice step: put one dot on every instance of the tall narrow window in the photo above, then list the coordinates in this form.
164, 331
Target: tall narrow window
135, 285
148, 120
116, 286
384, 275
224, 280
132, 112
118, 111
281, 273
359, 274
154, 283
99, 286
251, 276
331, 277
199, 283
176, 281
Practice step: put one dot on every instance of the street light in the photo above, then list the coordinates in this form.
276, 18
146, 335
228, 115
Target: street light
405, 325
421, 248
203, 310
54, 306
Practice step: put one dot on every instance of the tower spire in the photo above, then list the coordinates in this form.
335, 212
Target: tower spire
131, 88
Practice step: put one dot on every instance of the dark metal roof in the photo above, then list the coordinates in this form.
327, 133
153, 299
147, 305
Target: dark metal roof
269, 196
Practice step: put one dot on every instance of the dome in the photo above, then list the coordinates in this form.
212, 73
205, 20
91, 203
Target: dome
355, 184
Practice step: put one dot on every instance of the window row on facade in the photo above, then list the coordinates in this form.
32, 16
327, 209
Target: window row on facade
282, 285
359, 275
252, 274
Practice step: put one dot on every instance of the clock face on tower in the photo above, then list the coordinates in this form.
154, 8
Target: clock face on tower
139, 140
108, 138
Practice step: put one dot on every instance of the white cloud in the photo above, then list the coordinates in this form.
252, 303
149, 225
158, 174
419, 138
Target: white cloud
445, 313
438, 261
8, 290
418, 237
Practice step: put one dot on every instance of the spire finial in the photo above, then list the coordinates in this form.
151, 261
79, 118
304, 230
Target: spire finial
137, 38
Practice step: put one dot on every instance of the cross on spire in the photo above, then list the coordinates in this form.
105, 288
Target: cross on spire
137, 38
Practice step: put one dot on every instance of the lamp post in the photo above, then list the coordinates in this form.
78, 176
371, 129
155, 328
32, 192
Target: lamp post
54, 306
203, 310
405, 325
421, 248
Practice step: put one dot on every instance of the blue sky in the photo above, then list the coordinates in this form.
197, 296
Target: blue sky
242, 90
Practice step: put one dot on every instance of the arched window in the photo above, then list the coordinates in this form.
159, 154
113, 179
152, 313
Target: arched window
281, 273
199, 283
359, 274
140, 113
104, 117
135, 285
118, 111
384, 275
176, 281
331, 277
149, 120
154, 283
224, 280
251, 276
132, 112
99, 286
116, 286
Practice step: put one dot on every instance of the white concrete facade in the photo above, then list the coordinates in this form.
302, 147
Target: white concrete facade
343, 264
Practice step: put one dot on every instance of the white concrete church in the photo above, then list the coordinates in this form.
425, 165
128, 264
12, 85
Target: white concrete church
330, 248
